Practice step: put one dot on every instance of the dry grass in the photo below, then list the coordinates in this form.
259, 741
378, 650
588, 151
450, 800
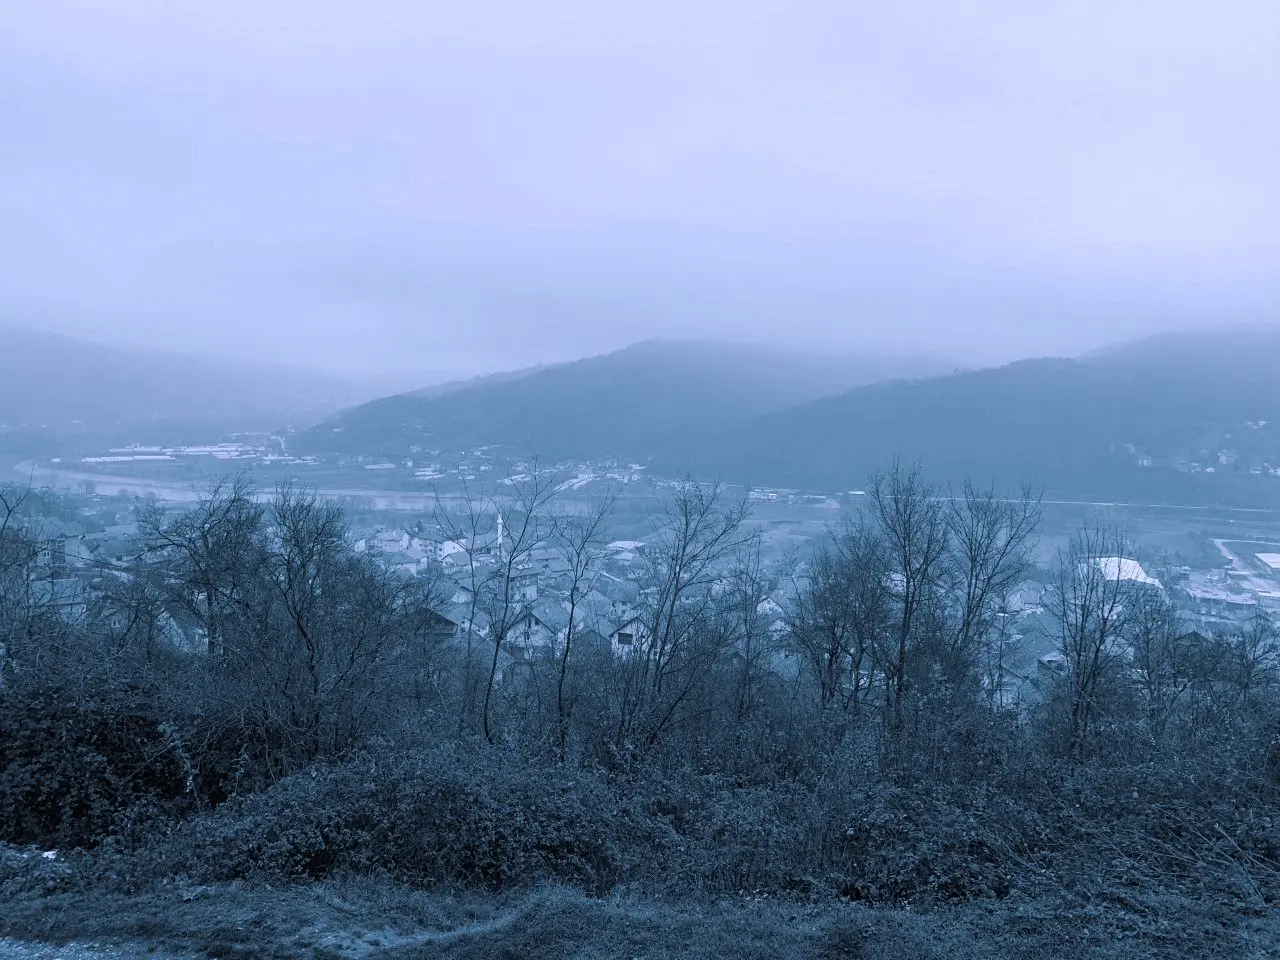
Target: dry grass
355, 919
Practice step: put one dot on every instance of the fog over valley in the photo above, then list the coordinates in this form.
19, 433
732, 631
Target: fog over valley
653, 480
403, 187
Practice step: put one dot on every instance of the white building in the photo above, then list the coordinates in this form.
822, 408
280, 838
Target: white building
1122, 568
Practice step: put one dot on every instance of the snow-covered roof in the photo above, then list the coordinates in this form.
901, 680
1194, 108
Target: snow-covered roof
1122, 568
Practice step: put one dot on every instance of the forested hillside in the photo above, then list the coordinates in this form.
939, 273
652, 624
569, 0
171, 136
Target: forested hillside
632, 403
1184, 418
1150, 419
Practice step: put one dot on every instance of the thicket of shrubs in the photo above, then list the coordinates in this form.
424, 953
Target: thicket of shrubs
480, 817
72, 775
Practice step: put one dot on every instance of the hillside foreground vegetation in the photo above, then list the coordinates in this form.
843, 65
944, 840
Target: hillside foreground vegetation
333, 774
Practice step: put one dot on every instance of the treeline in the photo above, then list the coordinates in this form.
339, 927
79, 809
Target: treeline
254, 697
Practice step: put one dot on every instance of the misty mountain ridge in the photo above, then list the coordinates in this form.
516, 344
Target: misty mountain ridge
51, 382
633, 402
1181, 409
1127, 418
1161, 415
450, 386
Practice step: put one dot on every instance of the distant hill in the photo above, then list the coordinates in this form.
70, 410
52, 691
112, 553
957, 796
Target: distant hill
1145, 418
52, 384
489, 379
634, 402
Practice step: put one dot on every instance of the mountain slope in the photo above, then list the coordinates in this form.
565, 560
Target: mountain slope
490, 379
1131, 418
49, 382
631, 403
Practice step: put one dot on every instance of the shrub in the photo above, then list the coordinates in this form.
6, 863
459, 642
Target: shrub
33, 873
71, 776
486, 820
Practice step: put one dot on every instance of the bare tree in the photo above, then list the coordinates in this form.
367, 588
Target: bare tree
40, 615
1001, 646
473, 524
867, 563
1163, 665
742, 603
842, 611
302, 571
1090, 599
17, 559
209, 554
427, 633
577, 539
991, 542
302, 631
1252, 655
820, 621
911, 518
11, 503
695, 531
131, 609
504, 604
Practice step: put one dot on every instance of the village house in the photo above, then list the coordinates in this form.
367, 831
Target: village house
524, 584
543, 626
1128, 571
774, 616
623, 595
458, 561
628, 636
65, 598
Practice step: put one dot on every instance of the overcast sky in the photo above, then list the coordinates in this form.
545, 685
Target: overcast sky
407, 185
